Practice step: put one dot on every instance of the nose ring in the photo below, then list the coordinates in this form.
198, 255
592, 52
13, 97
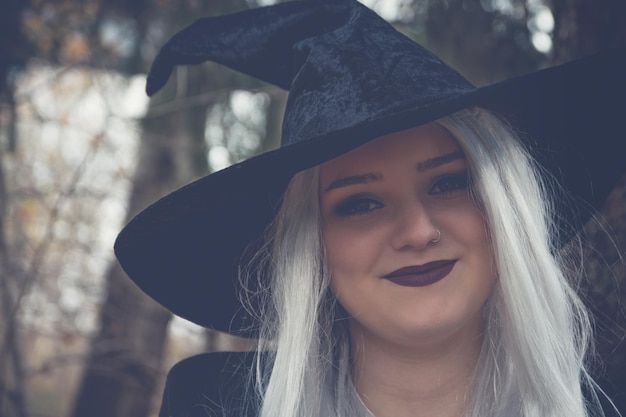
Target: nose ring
438, 237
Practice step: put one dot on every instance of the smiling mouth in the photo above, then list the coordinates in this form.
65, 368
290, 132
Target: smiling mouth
421, 275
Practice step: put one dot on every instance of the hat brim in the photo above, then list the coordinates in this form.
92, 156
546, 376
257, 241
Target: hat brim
184, 250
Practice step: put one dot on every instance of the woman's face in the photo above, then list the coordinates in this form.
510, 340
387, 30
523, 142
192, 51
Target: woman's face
383, 206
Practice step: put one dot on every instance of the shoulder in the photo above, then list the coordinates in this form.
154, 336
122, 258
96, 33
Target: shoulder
207, 385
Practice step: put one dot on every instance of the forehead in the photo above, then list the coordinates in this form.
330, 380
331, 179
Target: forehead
417, 144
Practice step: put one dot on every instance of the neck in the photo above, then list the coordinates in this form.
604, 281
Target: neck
425, 380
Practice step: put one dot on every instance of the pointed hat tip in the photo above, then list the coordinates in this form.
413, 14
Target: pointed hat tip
159, 74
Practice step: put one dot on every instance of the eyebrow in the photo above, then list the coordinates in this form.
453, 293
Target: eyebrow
439, 160
373, 176
354, 179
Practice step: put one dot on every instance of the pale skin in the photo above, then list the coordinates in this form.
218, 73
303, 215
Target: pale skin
383, 205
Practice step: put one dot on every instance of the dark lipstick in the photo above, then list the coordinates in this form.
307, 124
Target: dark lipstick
421, 275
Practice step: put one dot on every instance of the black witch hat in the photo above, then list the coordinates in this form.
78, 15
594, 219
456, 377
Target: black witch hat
351, 78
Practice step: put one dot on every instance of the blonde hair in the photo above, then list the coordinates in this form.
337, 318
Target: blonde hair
537, 331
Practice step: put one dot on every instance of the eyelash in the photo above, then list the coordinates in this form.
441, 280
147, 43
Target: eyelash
361, 204
357, 205
449, 184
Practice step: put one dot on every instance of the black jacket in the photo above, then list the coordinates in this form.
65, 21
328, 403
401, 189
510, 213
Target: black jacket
210, 385
215, 384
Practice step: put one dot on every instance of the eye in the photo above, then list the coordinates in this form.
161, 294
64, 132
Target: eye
357, 205
449, 184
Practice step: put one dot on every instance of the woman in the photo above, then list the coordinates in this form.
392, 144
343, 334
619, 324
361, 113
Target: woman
397, 255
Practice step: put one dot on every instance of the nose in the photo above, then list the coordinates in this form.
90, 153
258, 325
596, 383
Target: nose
413, 228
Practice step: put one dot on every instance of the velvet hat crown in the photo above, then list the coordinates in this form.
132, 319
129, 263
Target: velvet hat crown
351, 78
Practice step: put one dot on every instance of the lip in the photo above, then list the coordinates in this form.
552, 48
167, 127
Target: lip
421, 275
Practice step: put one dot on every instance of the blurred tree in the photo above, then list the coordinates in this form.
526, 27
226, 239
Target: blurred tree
486, 40
14, 52
585, 27
127, 352
123, 36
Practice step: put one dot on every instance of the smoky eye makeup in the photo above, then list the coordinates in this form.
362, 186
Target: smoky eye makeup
448, 184
356, 205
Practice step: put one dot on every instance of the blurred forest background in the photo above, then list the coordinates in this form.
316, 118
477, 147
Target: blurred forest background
82, 150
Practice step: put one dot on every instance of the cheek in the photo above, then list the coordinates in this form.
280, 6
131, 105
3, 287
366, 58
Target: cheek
349, 258
475, 236
468, 229
466, 222
341, 253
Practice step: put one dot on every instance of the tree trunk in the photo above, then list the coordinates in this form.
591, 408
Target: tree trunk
463, 34
13, 55
583, 27
126, 355
125, 359
11, 364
